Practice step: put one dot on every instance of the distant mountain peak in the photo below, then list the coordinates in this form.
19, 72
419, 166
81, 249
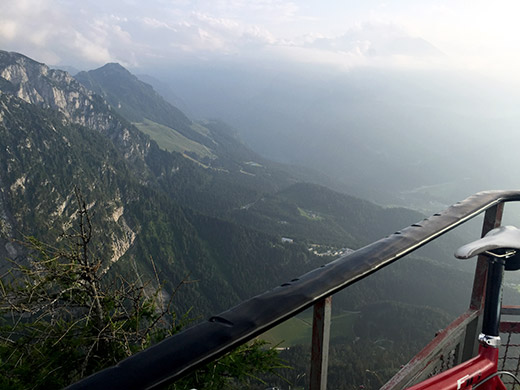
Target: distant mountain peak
12, 57
114, 67
136, 100
36, 83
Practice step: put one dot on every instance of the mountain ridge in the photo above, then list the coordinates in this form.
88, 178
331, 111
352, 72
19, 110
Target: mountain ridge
75, 131
113, 82
214, 230
157, 203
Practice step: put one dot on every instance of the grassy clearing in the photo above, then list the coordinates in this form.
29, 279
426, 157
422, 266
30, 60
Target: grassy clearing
200, 129
310, 215
172, 141
298, 330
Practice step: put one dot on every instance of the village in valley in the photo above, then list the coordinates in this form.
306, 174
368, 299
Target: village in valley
327, 250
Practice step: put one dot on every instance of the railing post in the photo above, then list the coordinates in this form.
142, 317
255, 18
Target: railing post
320, 344
492, 220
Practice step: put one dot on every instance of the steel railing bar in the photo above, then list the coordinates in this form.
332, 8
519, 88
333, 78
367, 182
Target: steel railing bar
178, 355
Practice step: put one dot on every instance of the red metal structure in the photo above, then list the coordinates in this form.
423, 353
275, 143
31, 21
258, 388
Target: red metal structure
450, 360
467, 374
182, 353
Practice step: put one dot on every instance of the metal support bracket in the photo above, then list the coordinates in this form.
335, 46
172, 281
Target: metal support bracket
320, 344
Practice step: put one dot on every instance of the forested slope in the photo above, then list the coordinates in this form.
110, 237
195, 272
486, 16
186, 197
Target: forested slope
217, 222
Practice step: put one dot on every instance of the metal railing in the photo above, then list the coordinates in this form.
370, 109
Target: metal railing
182, 353
457, 342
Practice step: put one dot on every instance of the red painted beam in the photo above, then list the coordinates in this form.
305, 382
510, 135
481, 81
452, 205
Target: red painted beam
429, 354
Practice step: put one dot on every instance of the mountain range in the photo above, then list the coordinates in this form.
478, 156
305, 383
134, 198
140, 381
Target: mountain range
190, 195
57, 134
406, 137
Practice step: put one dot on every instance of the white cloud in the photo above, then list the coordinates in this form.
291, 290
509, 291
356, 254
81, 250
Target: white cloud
88, 49
256, 10
155, 23
376, 40
8, 30
222, 24
257, 35
427, 33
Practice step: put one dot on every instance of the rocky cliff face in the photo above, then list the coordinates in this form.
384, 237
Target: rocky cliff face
40, 163
56, 135
146, 203
30, 96
37, 84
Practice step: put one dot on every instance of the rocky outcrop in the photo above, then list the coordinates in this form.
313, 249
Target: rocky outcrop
35, 140
37, 84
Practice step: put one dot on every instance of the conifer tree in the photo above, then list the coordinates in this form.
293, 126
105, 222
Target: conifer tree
63, 317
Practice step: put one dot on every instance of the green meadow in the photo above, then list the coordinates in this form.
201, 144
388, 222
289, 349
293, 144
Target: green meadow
171, 140
298, 330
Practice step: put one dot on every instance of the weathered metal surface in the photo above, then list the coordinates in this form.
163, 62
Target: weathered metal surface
174, 357
509, 327
464, 375
510, 310
320, 344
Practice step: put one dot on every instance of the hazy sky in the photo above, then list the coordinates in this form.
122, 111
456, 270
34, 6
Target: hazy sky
477, 35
